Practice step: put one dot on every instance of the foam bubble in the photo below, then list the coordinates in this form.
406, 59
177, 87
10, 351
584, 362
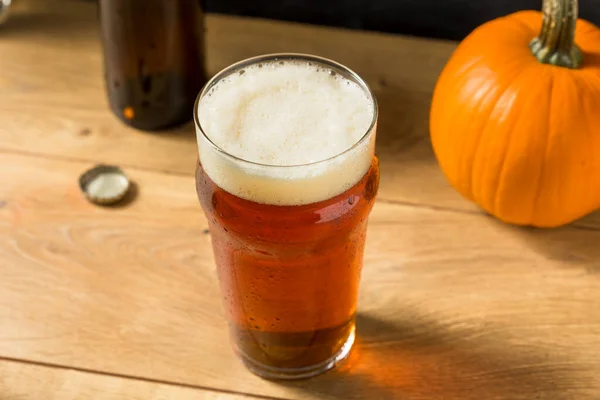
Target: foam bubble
286, 114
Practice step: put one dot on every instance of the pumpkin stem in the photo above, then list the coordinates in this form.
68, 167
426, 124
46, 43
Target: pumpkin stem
556, 43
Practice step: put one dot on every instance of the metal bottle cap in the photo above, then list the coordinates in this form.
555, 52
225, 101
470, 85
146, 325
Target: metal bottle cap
104, 184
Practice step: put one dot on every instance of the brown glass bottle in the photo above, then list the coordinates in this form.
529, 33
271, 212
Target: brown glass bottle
153, 60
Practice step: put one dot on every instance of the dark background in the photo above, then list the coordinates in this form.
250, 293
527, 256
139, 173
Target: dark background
450, 19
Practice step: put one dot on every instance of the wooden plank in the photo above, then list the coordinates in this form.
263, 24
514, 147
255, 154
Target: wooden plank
23, 381
452, 306
57, 106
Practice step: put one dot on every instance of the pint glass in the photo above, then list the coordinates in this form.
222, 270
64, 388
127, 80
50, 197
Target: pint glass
287, 177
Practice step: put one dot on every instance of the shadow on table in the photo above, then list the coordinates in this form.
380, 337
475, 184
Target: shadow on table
573, 246
419, 359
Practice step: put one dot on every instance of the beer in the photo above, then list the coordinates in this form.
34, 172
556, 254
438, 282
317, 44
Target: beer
153, 60
287, 177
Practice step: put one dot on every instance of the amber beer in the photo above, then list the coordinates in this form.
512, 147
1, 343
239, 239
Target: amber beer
287, 178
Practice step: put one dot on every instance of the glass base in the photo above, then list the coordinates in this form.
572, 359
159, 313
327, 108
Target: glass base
268, 372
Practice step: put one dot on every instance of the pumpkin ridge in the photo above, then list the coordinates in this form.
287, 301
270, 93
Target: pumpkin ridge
507, 182
475, 189
451, 116
495, 198
502, 170
548, 131
589, 132
474, 150
591, 157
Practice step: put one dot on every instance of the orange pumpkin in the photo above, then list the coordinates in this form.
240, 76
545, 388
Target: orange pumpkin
515, 116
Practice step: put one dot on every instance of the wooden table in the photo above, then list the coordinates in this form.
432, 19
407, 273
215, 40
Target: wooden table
123, 303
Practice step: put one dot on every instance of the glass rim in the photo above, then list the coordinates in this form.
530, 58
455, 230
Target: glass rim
347, 72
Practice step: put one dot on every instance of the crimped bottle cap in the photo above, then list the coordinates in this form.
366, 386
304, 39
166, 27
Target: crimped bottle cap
104, 184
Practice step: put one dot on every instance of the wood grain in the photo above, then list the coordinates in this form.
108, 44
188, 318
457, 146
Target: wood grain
453, 306
23, 381
58, 107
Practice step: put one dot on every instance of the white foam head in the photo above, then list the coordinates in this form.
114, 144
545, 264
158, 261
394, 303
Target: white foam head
286, 131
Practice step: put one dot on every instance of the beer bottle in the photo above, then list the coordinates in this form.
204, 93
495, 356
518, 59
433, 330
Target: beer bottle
153, 60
